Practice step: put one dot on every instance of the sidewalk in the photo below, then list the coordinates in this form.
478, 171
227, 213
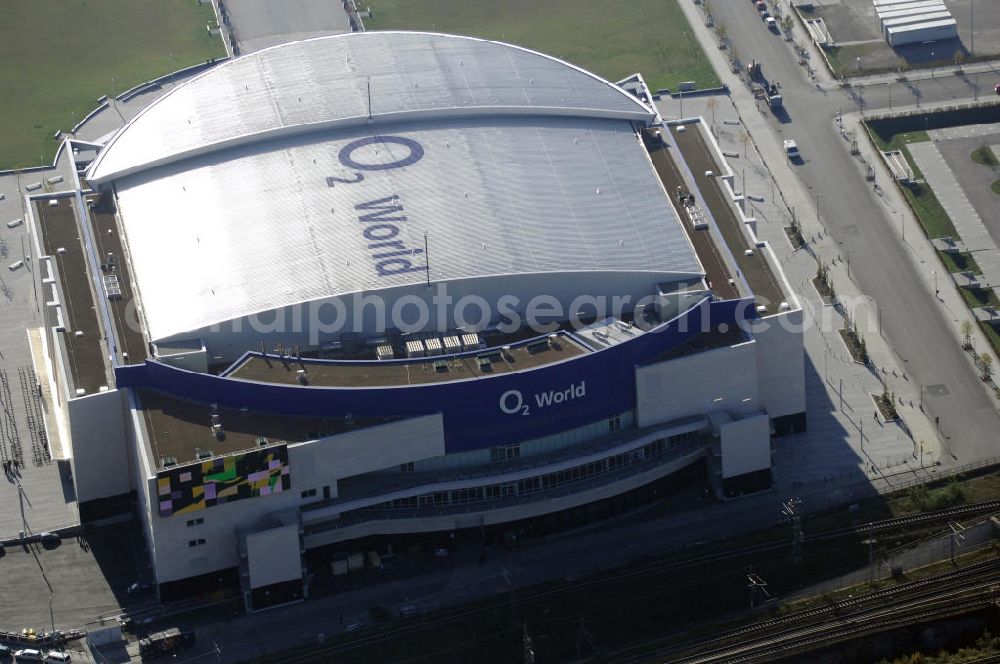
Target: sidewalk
823, 341
840, 410
967, 221
922, 252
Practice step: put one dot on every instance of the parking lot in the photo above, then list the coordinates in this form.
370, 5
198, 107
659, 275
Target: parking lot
861, 47
85, 577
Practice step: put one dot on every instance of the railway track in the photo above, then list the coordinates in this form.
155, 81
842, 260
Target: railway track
972, 587
810, 636
811, 640
30, 394
13, 451
910, 520
831, 534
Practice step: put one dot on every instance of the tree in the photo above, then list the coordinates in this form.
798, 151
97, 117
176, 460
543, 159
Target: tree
786, 24
712, 104
986, 364
966, 328
722, 32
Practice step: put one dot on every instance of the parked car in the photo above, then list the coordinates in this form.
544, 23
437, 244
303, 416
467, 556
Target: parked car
139, 588
791, 149
771, 24
28, 655
59, 657
4, 651
997, 88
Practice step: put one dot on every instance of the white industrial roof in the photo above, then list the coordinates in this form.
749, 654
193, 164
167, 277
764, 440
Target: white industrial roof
252, 226
320, 82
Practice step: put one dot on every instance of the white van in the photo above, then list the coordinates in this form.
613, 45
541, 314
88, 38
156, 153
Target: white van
56, 656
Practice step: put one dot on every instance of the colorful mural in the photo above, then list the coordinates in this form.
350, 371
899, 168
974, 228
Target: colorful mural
193, 487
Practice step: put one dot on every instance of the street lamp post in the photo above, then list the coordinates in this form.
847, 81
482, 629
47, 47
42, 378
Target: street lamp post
902, 228
848, 263
890, 96
817, 207
934, 274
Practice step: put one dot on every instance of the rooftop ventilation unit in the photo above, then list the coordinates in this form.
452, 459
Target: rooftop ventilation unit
472, 341
452, 344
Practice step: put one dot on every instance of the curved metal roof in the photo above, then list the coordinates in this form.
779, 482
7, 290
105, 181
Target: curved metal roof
349, 79
235, 199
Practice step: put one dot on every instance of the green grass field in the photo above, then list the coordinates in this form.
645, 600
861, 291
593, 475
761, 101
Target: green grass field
613, 39
59, 56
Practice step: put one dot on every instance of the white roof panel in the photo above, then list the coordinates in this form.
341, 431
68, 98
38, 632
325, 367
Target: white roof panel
344, 79
258, 227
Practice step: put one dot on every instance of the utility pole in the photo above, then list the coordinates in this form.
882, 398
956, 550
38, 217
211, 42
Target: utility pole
754, 582
26, 530
871, 559
510, 586
529, 653
817, 208
957, 537
583, 635
790, 510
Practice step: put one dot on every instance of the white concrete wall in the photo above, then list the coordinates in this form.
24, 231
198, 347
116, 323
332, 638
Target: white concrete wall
781, 358
746, 445
323, 462
101, 456
311, 465
142, 476
724, 378
273, 556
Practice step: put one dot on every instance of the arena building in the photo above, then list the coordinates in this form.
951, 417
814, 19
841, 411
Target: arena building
345, 291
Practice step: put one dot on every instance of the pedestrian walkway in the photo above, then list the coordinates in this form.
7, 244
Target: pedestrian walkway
966, 131
782, 193
963, 215
845, 440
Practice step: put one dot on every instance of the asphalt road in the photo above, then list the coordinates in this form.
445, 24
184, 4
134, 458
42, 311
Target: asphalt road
914, 324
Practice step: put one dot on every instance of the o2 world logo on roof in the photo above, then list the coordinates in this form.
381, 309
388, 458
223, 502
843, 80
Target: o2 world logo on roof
380, 218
